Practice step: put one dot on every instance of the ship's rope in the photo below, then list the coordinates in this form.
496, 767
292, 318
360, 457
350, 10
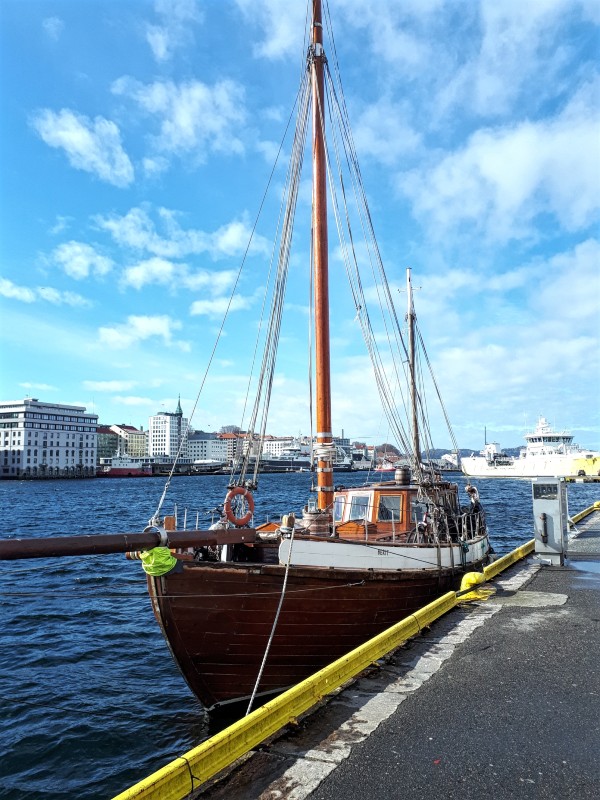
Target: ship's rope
144, 596
268, 647
449, 425
351, 263
259, 414
156, 514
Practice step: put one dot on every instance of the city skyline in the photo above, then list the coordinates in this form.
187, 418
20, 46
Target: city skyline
137, 141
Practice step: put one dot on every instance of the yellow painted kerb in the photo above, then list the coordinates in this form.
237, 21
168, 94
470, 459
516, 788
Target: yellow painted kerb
586, 512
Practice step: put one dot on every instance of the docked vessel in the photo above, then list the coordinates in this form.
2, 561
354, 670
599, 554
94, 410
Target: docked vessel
250, 607
300, 457
123, 466
547, 453
272, 602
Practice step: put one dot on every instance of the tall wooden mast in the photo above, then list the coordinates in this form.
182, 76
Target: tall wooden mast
410, 316
321, 277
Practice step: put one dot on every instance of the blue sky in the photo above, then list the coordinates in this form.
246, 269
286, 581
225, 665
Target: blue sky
136, 142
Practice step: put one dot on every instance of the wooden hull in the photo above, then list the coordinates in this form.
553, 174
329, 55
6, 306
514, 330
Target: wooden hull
217, 619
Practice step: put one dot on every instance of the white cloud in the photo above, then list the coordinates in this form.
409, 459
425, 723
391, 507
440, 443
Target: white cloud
384, 133
218, 305
154, 270
528, 338
61, 224
43, 387
283, 25
516, 38
27, 295
176, 276
14, 292
79, 260
193, 117
109, 386
173, 31
154, 166
90, 145
571, 289
504, 178
53, 27
59, 298
138, 329
137, 230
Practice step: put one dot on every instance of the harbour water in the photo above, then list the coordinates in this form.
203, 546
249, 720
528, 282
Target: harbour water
90, 699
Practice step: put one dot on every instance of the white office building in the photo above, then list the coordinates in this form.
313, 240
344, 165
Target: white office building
46, 440
274, 446
165, 433
206, 447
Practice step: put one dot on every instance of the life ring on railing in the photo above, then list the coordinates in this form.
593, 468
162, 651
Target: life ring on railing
236, 491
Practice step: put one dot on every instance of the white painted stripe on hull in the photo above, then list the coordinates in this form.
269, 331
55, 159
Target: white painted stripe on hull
332, 553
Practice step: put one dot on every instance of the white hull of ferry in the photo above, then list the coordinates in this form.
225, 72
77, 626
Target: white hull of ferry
542, 466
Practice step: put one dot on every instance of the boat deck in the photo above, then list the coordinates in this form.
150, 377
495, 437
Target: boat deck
499, 698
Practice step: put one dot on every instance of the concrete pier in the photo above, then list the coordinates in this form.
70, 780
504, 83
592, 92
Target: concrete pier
500, 698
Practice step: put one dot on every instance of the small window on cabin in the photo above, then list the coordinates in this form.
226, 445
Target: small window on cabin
338, 508
418, 511
359, 506
390, 508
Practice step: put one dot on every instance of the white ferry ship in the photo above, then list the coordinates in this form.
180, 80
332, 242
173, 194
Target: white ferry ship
548, 453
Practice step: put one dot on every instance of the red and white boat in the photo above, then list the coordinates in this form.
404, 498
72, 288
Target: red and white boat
123, 466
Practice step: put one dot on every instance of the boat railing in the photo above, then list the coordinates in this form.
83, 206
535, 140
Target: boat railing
215, 514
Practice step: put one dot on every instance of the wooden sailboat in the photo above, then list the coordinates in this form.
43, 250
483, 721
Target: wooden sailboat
248, 611
309, 588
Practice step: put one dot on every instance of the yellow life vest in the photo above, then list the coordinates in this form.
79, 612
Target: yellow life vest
157, 561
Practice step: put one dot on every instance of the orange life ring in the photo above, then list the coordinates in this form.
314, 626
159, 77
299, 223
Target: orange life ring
234, 492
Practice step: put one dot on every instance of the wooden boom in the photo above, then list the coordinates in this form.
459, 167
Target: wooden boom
98, 544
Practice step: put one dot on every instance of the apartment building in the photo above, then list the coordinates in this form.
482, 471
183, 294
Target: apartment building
46, 440
204, 446
132, 441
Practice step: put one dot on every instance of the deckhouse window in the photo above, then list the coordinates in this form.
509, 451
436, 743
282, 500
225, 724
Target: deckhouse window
359, 506
417, 511
390, 508
338, 508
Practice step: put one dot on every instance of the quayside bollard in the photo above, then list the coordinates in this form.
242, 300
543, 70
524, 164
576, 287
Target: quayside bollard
550, 520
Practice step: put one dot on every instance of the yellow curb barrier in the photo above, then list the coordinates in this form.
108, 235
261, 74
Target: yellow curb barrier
586, 512
501, 564
187, 773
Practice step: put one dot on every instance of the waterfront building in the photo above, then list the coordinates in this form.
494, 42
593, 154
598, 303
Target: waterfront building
165, 433
107, 442
239, 444
233, 443
46, 440
202, 446
133, 442
275, 445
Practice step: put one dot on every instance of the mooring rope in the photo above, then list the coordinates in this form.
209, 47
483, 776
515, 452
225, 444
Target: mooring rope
268, 647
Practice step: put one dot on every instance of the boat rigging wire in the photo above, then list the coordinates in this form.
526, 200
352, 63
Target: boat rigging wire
351, 263
156, 514
266, 374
